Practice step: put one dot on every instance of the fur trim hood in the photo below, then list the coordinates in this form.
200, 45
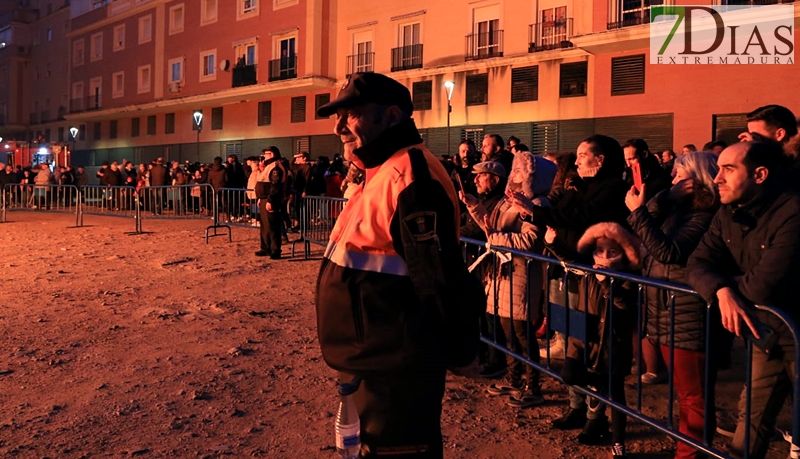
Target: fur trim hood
614, 231
531, 175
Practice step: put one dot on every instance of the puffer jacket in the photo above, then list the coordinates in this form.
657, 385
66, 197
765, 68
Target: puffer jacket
671, 231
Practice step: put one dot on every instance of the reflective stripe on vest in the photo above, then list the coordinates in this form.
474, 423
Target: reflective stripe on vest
374, 262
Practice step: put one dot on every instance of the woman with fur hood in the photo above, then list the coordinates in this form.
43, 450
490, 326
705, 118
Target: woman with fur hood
670, 227
604, 246
513, 285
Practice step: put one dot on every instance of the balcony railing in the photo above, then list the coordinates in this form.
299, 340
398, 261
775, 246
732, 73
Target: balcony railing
364, 62
77, 105
484, 45
94, 102
244, 76
545, 36
406, 58
284, 68
45, 116
631, 19
34, 118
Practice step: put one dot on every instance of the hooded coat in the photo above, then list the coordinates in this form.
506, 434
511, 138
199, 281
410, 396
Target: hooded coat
516, 294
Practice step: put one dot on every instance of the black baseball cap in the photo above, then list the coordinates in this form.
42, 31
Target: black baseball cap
362, 88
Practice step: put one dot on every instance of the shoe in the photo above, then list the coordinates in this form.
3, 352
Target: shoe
556, 349
575, 418
492, 372
618, 451
594, 431
275, 256
262, 253
654, 378
509, 387
529, 396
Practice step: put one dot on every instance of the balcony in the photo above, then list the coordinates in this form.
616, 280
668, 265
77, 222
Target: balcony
94, 102
34, 118
484, 45
406, 58
631, 19
364, 62
77, 105
244, 76
284, 68
546, 36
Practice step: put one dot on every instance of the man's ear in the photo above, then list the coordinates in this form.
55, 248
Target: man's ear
395, 115
760, 174
780, 134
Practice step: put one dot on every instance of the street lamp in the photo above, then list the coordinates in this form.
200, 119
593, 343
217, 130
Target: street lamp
198, 126
73, 132
448, 85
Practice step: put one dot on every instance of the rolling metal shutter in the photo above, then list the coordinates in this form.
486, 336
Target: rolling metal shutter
656, 130
627, 75
728, 127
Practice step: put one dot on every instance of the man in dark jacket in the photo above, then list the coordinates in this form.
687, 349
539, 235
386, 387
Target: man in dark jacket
302, 178
654, 177
235, 178
489, 180
751, 256
393, 277
159, 177
270, 192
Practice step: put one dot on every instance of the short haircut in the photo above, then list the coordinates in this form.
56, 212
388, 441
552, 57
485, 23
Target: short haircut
469, 143
690, 146
670, 151
776, 116
513, 139
272, 149
521, 147
613, 157
497, 140
639, 144
765, 153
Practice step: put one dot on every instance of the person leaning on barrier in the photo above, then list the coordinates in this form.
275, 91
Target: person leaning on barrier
395, 303
670, 226
270, 193
751, 255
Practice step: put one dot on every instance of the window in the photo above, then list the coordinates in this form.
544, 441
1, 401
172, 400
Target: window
631, 12
49, 34
573, 79
422, 93
145, 29
119, 37
363, 56
554, 27
319, 101
284, 66
118, 84
97, 130
216, 118
143, 79
208, 65
246, 9
408, 54
169, 123
61, 134
82, 132
246, 50
299, 109
135, 126
265, 113
175, 69
176, 14
95, 93
77, 52
151, 125
278, 4
208, 12
627, 75
525, 84
77, 104
112, 129
478, 89
487, 36
96, 47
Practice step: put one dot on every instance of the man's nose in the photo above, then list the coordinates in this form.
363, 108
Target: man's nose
340, 127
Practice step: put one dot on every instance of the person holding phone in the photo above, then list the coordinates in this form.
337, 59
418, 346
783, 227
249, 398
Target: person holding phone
670, 227
751, 255
643, 168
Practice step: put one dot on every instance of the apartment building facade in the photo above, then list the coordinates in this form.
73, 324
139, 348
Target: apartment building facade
550, 72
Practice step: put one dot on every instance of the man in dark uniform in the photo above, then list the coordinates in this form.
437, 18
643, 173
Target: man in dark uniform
270, 193
393, 286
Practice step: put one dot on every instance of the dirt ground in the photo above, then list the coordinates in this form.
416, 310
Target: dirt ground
160, 346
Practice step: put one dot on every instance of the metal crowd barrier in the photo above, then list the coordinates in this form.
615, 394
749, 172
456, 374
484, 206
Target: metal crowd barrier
574, 323
109, 201
39, 198
317, 217
195, 201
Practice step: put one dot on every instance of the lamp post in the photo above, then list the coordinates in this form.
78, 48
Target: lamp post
198, 125
73, 132
448, 85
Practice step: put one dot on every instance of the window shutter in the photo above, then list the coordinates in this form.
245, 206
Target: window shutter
572, 79
525, 84
299, 109
265, 113
169, 123
423, 95
627, 75
216, 118
545, 137
319, 101
728, 127
478, 89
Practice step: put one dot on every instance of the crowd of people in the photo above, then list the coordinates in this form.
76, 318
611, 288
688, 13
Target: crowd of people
724, 220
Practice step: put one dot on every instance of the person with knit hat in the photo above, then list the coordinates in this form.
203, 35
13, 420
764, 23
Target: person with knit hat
604, 246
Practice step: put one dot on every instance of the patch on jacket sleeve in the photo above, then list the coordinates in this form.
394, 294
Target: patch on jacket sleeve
421, 225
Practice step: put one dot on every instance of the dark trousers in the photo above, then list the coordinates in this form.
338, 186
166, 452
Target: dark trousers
401, 415
689, 377
773, 378
270, 228
517, 336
